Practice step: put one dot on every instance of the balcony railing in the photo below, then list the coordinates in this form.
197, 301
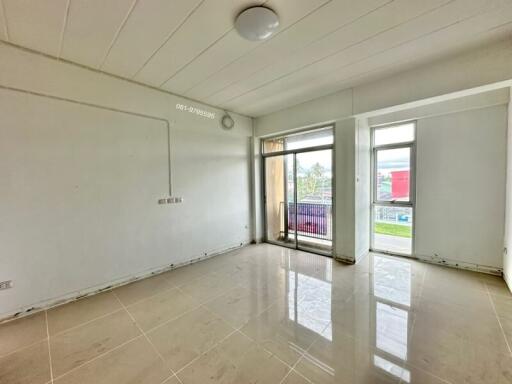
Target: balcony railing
313, 220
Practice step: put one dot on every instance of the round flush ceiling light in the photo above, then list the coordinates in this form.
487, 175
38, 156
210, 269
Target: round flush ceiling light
257, 23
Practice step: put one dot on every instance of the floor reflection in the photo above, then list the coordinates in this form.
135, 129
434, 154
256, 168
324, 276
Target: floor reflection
392, 297
380, 320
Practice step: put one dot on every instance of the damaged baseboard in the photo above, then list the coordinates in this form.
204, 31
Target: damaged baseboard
73, 296
460, 264
344, 259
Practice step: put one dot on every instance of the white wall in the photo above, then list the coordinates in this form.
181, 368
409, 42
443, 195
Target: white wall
363, 185
80, 184
460, 187
344, 168
507, 257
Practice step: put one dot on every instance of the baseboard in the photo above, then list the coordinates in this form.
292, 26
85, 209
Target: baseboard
461, 265
70, 297
344, 259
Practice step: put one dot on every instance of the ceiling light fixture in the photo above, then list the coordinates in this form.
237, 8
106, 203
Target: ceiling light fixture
257, 23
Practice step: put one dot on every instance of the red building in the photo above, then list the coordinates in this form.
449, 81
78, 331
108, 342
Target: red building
399, 184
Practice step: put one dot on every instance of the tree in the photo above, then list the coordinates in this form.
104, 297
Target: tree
310, 181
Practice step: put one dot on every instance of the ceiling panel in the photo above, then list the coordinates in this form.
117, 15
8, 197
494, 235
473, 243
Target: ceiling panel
149, 25
3, 25
325, 20
232, 46
90, 28
190, 47
211, 21
374, 23
36, 24
469, 33
438, 18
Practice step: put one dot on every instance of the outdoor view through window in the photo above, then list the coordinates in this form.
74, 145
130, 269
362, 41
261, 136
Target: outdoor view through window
298, 190
392, 193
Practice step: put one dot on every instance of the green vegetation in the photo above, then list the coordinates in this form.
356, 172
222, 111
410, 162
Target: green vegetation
311, 182
393, 229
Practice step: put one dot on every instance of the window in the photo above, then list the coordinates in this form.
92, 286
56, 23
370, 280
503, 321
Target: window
316, 138
393, 188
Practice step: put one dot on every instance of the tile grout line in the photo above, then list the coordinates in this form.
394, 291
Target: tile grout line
499, 321
23, 348
147, 338
134, 338
86, 322
99, 356
208, 350
292, 367
177, 287
49, 347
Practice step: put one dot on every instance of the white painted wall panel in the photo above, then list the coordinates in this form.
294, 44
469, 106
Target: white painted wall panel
480, 67
507, 257
344, 144
460, 182
80, 185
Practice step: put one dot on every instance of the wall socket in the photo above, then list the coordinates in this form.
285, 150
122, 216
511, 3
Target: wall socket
5, 284
170, 200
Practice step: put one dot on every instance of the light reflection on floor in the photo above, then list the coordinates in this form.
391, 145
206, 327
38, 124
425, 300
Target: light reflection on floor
269, 314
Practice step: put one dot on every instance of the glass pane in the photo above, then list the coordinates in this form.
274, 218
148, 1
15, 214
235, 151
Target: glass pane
396, 134
273, 145
314, 200
314, 138
317, 137
392, 229
393, 174
279, 192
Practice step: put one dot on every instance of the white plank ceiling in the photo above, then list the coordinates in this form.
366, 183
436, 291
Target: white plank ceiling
189, 47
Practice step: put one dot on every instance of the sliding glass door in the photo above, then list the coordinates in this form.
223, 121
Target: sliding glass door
298, 191
313, 211
393, 189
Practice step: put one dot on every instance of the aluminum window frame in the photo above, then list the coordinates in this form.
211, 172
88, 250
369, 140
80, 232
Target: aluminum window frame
294, 152
411, 203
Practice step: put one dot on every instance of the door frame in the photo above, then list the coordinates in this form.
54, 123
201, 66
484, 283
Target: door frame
412, 185
294, 152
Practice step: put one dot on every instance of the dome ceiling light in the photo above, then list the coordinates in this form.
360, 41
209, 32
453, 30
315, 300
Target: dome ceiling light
257, 23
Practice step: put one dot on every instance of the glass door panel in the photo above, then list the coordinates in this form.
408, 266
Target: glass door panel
314, 201
392, 229
279, 197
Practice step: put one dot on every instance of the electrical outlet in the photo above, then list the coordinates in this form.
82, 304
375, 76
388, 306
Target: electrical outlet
162, 201
5, 284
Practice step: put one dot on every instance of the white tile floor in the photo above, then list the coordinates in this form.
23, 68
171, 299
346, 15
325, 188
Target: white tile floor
266, 314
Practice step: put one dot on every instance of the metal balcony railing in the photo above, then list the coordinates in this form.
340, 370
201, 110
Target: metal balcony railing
313, 220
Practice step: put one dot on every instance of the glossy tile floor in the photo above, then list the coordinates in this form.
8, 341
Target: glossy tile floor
266, 314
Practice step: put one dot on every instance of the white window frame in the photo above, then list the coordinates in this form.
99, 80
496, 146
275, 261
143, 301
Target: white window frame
412, 184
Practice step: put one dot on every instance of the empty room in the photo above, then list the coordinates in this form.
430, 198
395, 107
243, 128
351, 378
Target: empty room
255, 192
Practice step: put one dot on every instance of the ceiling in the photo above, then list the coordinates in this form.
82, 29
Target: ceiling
189, 47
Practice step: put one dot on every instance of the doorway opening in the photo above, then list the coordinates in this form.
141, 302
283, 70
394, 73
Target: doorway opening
392, 229
298, 195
